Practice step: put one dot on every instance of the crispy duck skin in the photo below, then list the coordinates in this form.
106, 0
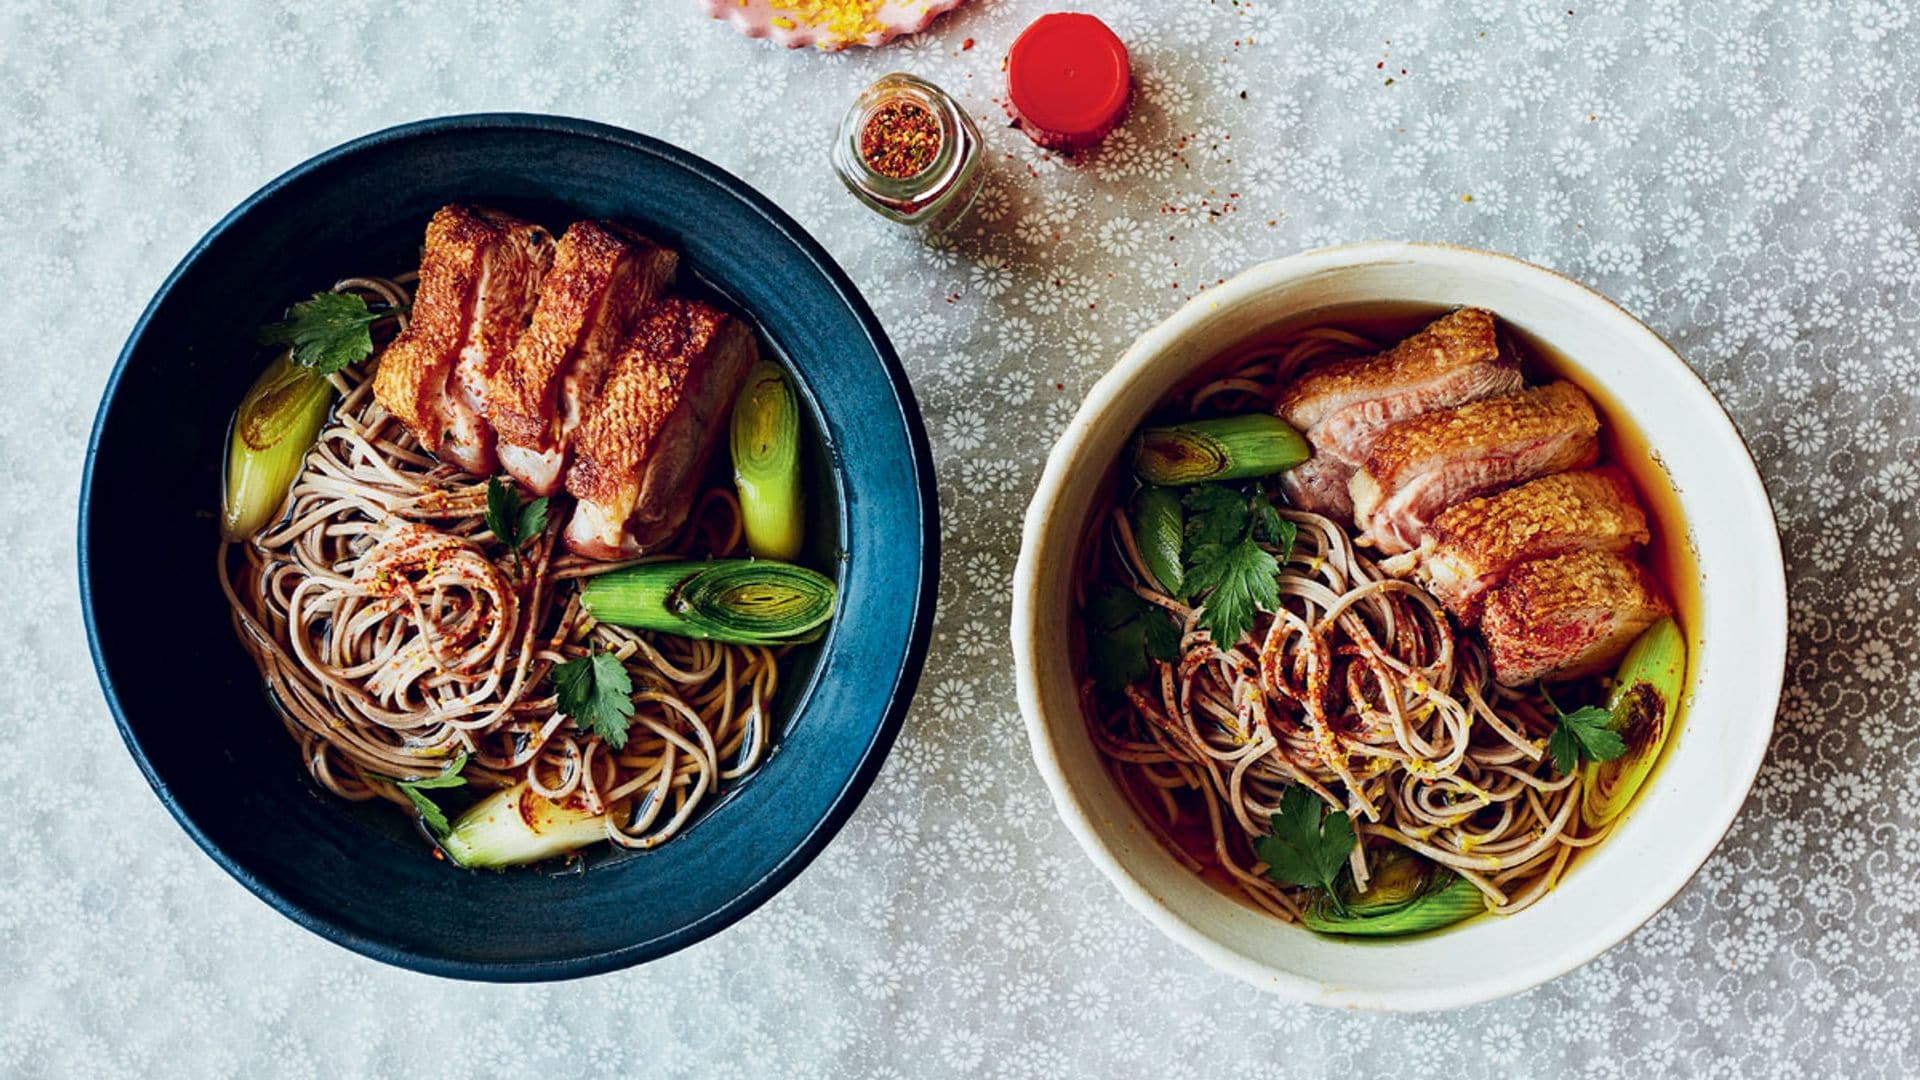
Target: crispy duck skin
1420, 467
479, 273
1473, 546
603, 277
648, 436
1343, 407
1568, 616
1453, 360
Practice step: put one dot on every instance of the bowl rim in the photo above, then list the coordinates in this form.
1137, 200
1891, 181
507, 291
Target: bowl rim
900, 693
1059, 472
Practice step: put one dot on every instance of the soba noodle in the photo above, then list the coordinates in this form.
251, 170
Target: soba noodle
1357, 688
395, 634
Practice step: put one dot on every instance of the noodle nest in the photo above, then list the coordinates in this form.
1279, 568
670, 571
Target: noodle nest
1357, 688
396, 633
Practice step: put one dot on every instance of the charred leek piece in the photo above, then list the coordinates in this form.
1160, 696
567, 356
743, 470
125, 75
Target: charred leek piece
1644, 702
740, 601
517, 825
1407, 895
766, 462
274, 428
1158, 524
1227, 448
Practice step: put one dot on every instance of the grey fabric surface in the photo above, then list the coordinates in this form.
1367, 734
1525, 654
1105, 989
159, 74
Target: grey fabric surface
1739, 173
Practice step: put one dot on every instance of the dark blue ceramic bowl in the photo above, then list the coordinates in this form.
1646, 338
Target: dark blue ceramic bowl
190, 703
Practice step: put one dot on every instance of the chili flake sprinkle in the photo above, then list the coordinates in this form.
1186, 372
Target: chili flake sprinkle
900, 140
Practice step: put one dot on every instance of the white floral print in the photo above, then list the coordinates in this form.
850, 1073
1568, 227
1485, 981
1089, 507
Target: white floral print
1740, 173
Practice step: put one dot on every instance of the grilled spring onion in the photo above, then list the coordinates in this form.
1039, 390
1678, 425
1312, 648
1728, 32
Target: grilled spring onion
1159, 522
274, 428
517, 825
766, 462
1226, 448
740, 601
1644, 701
1407, 895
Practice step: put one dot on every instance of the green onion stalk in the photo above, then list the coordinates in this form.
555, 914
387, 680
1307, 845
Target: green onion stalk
738, 601
275, 426
766, 463
1407, 895
1159, 523
515, 826
1225, 448
1644, 704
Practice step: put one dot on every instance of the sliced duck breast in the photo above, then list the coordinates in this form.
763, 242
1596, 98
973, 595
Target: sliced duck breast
1568, 616
1420, 467
1343, 407
604, 276
479, 275
650, 433
1320, 484
1472, 547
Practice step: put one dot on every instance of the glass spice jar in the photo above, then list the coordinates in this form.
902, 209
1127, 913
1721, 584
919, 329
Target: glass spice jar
907, 150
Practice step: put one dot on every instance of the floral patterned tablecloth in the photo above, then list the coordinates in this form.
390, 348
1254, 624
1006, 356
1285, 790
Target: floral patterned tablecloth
1740, 173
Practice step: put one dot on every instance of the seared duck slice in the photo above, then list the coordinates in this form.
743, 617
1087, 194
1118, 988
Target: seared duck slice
649, 434
1568, 616
479, 275
1343, 407
1454, 360
1419, 467
603, 277
1472, 547
1320, 484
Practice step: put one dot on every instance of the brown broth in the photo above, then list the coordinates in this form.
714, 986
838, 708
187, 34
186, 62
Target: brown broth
1669, 555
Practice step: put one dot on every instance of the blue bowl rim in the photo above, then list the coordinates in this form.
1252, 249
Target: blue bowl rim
905, 682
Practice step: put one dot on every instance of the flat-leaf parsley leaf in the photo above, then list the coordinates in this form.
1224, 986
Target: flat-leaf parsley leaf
597, 693
1126, 630
431, 815
1216, 514
1225, 529
1270, 528
513, 522
327, 331
1239, 579
1583, 733
1309, 845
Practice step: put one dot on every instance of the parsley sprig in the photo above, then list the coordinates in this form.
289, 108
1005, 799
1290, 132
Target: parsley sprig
597, 693
513, 522
1309, 844
328, 331
431, 815
1125, 632
1226, 527
1226, 564
1583, 733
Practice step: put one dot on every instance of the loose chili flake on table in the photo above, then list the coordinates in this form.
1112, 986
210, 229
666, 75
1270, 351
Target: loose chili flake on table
900, 140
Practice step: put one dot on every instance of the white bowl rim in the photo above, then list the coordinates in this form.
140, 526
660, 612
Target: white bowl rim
1650, 899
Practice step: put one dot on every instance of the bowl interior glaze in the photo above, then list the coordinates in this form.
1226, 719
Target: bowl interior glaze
190, 703
1707, 769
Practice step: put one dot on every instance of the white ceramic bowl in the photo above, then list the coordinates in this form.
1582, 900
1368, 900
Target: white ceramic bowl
1678, 818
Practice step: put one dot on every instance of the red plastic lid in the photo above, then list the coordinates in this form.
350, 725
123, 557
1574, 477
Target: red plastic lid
1068, 80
